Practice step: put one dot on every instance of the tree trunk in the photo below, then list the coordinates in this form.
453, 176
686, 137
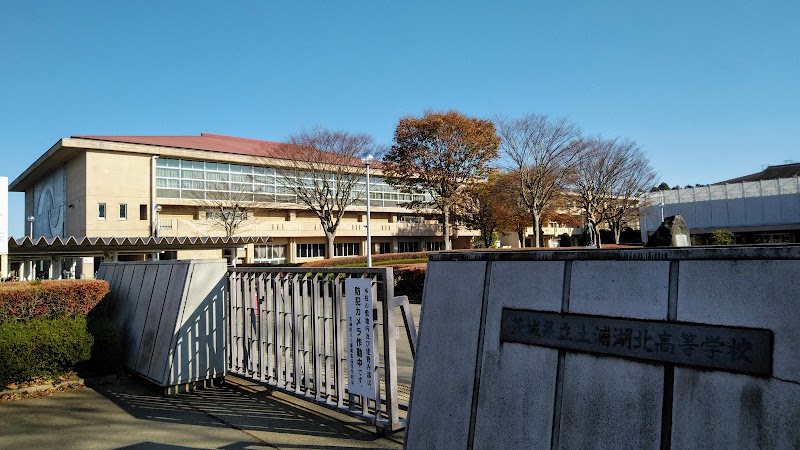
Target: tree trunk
617, 228
596, 230
536, 229
486, 234
446, 229
329, 249
521, 237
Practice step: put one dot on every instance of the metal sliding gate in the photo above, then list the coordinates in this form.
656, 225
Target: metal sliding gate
287, 330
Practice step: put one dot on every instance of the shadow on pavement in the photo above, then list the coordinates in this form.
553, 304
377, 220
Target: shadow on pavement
273, 421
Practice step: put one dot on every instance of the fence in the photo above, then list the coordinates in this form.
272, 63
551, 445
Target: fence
287, 330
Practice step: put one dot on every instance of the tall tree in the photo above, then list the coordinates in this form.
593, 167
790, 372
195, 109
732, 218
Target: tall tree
610, 177
326, 174
543, 153
438, 154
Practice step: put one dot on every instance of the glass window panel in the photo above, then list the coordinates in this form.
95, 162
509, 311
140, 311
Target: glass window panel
264, 179
241, 187
168, 193
189, 184
216, 176
193, 174
166, 172
168, 183
168, 162
217, 185
264, 197
192, 194
241, 178
241, 169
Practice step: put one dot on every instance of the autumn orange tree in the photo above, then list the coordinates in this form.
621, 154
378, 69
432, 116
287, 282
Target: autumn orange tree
438, 154
483, 209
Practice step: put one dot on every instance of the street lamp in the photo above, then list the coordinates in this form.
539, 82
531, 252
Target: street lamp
157, 209
367, 162
31, 219
32, 275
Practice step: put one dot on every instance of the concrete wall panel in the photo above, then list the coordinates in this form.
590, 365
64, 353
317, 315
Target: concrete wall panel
756, 293
512, 286
138, 321
610, 403
754, 209
167, 338
720, 215
534, 396
153, 319
717, 410
772, 209
172, 319
200, 353
634, 289
790, 208
736, 213
448, 339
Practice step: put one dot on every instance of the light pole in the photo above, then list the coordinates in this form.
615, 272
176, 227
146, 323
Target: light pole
31, 219
367, 162
157, 221
32, 275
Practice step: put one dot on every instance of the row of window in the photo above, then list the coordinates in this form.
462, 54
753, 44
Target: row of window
102, 211
179, 178
354, 248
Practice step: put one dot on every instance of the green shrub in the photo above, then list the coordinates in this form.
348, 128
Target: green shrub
42, 348
722, 237
409, 280
49, 299
108, 347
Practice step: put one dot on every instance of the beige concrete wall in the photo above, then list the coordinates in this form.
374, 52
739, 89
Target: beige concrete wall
76, 197
113, 179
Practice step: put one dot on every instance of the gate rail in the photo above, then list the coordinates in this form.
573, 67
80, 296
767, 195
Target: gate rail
286, 329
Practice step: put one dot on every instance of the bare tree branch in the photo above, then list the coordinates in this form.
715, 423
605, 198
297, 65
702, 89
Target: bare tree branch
543, 152
325, 173
610, 177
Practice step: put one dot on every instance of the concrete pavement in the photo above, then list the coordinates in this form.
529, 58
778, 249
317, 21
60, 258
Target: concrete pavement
131, 414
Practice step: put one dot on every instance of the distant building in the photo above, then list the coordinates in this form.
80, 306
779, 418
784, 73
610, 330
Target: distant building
146, 186
761, 208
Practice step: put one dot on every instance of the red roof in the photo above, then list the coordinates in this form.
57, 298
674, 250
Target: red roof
223, 144
206, 141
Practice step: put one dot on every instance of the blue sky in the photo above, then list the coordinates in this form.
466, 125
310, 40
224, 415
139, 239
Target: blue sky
709, 89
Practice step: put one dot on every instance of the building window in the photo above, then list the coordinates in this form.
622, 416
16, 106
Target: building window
310, 250
407, 247
384, 247
142, 212
270, 253
411, 219
101, 211
123, 211
434, 246
347, 249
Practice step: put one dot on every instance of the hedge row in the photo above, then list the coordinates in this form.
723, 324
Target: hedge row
384, 257
42, 348
52, 299
409, 280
